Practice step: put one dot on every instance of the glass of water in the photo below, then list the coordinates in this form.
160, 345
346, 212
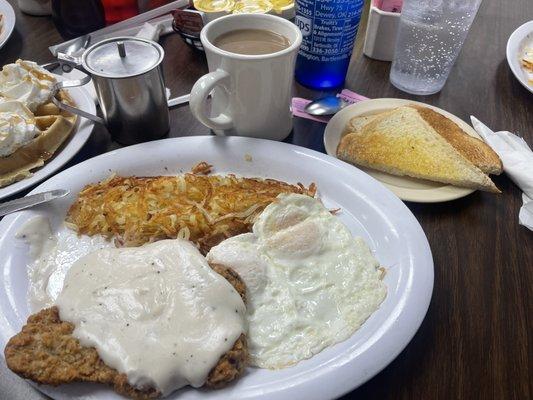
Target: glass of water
430, 36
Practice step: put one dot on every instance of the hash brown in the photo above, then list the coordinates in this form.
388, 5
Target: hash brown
202, 209
46, 352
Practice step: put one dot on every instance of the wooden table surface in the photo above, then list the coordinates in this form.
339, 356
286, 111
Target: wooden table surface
476, 341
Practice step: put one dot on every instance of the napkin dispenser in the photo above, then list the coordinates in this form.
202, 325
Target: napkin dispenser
381, 29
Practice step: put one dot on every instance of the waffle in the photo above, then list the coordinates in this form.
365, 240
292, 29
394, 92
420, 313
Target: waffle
55, 125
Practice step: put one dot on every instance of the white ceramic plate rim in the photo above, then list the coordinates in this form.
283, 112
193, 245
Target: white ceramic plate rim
390, 225
335, 130
9, 21
513, 48
79, 136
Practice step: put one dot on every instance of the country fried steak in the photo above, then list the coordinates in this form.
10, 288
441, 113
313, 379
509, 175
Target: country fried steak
46, 352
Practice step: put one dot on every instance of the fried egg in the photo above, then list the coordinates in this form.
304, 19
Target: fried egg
310, 283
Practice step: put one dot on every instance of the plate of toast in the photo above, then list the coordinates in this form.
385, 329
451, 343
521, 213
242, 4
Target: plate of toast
420, 152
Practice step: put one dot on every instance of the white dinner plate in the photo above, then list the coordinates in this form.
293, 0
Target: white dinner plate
368, 209
408, 189
515, 46
72, 145
8, 21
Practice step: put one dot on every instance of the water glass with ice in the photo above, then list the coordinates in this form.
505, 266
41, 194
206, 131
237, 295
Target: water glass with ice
430, 37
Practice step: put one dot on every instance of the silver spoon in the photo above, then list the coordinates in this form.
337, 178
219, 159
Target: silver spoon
328, 105
74, 49
9, 207
77, 44
69, 84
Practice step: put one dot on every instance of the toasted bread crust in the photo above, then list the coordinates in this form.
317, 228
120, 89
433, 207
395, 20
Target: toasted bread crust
46, 352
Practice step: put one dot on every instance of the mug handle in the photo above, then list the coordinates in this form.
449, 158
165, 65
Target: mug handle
199, 94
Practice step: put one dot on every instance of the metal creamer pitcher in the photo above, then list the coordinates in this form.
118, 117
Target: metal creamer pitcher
128, 79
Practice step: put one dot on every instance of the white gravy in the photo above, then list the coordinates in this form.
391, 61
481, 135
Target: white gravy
51, 256
157, 313
37, 233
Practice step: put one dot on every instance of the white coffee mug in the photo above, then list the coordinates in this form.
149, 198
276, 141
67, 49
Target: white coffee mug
250, 94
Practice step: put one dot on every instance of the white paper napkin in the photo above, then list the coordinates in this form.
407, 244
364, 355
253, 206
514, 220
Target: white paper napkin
517, 159
150, 31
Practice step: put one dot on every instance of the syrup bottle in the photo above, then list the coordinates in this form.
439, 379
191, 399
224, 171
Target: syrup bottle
74, 18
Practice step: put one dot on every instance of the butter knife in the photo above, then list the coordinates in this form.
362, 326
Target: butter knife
9, 207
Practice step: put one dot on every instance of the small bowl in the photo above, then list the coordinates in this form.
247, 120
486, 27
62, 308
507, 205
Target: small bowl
515, 46
191, 40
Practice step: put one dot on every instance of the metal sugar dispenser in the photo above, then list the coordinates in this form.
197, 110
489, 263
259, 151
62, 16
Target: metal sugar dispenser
128, 78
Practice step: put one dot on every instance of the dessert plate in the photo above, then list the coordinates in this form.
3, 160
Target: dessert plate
8, 21
73, 144
522, 36
367, 208
408, 189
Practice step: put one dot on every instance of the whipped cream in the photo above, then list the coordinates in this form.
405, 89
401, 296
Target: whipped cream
26, 82
17, 126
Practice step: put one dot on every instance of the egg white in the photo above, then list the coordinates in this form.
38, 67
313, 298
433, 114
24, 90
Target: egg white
310, 283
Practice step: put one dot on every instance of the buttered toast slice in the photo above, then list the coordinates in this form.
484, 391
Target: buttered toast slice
401, 142
473, 149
